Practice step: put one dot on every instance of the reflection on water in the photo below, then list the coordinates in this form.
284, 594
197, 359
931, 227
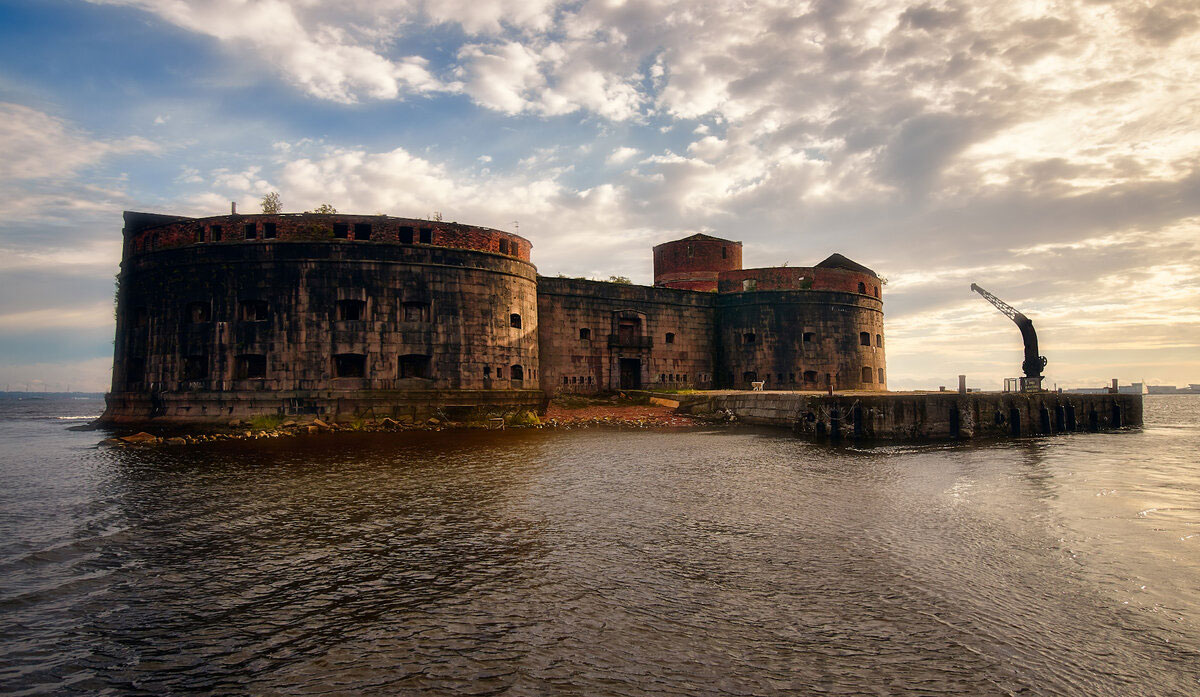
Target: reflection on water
601, 562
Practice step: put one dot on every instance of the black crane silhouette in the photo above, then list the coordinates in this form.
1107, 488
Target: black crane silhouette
1033, 363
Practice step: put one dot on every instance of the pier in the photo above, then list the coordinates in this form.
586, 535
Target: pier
917, 416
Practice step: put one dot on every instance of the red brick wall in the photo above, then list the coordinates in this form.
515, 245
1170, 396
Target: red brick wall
316, 226
694, 264
799, 278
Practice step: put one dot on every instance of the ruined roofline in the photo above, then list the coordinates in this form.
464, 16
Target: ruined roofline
701, 237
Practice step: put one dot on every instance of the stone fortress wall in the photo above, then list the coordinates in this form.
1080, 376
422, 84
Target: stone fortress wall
346, 316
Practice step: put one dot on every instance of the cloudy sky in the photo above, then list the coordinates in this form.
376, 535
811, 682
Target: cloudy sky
1049, 151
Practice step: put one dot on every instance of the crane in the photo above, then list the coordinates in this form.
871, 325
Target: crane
1033, 363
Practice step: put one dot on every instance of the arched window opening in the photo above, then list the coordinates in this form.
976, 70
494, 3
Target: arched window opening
517, 372
198, 312
866, 374
250, 366
880, 372
254, 311
670, 338
351, 310
879, 339
864, 338
862, 287
415, 365
514, 320
349, 365
876, 290
487, 371
748, 338
585, 334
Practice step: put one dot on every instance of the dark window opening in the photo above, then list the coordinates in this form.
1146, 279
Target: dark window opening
749, 284
504, 246
487, 371
406, 234
217, 232
724, 252
362, 231
809, 337
517, 372
251, 366
139, 317
810, 376
792, 378
750, 376
691, 252
198, 312
250, 230
879, 340
426, 235
415, 365
351, 310
866, 374
862, 287
154, 241
589, 379
195, 367
662, 377
684, 377
880, 375
779, 378
268, 231
254, 310
566, 380
416, 311
864, 338
670, 338
876, 291
585, 333
135, 370
514, 321
200, 234
349, 365
748, 338
341, 231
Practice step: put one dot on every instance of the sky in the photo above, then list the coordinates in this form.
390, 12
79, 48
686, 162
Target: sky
1048, 151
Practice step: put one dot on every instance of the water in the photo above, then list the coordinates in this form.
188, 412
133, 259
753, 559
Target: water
717, 562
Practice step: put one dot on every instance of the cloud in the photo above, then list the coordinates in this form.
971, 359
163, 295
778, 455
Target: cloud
37, 146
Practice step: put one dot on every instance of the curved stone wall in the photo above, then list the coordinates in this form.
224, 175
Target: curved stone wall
799, 278
214, 331
800, 340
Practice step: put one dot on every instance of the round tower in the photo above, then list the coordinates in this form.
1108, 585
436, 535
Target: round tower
693, 263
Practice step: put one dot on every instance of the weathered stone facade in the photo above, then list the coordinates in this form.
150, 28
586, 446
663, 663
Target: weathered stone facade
347, 316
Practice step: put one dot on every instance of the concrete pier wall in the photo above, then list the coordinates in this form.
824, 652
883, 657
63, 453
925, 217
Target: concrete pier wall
926, 416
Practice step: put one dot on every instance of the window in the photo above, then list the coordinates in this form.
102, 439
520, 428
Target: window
217, 232
589, 379
426, 235
662, 377
809, 337
154, 241
670, 338
195, 368
585, 334
748, 338
810, 376
268, 231
341, 231
351, 310
135, 370
198, 312
362, 231
566, 380
866, 374
415, 365
724, 252
504, 246
876, 291
416, 311
253, 311
880, 375
349, 365
514, 320
879, 340
250, 230
779, 378
750, 376
574, 381
517, 372
792, 378
749, 284
864, 339
487, 371
691, 252
251, 366
200, 234
406, 234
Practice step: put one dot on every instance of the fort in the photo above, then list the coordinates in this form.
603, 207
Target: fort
371, 316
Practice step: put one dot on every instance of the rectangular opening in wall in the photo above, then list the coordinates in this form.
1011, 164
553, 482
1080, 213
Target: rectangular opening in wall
504, 246
809, 337
362, 231
864, 339
268, 231
724, 252
200, 234
341, 231
810, 377
351, 310
585, 334
217, 232
516, 373
487, 371
349, 365
749, 338
514, 320
195, 368
691, 251
415, 365
250, 366
406, 234
879, 340
253, 310
426, 235
416, 311
250, 230
749, 284
669, 338
866, 374
198, 312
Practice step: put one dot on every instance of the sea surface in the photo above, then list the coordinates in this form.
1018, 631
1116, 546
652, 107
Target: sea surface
714, 561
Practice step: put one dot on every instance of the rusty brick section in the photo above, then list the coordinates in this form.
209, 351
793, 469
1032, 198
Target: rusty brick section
347, 316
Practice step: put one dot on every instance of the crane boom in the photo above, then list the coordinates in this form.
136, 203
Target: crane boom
1033, 363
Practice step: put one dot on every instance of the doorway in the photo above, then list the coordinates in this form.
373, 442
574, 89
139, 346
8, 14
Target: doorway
631, 373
